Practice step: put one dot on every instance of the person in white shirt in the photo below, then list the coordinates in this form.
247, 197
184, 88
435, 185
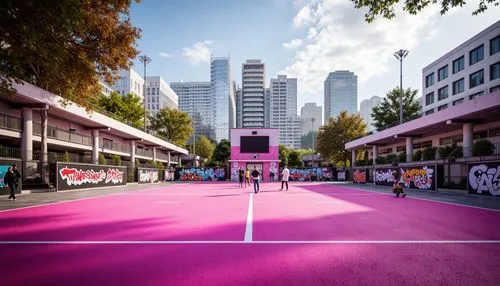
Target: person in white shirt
285, 174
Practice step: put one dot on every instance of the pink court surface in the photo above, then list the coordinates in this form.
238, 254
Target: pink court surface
217, 234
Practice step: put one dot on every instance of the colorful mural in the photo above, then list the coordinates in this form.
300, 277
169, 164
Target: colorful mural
484, 178
360, 176
422, 177
200, 174
311, 174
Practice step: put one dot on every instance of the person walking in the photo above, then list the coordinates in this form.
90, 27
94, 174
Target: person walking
397, 187
271, 176
9, 181
241, 174
255, 177
247, 178
17, 176
285, 174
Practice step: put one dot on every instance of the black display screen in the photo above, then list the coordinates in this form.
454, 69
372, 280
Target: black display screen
254, 144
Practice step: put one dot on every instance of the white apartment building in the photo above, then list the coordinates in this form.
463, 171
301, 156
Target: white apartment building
130, 82
310, 114
195, 98
159, 95
106, 90
283, 112
365, 110
469, 71
253, 94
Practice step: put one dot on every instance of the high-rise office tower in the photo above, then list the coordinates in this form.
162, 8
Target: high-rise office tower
223, 96
283, 113
239, 107
365, 110
159, 95
195, 98
341, 93
253, 94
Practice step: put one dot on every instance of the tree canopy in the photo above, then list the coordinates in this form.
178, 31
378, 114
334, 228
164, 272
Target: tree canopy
333, 136
65, 46
125, 108
283, 155
173, 125
294, 158
387, 112
385, 8
204, 147
222, 152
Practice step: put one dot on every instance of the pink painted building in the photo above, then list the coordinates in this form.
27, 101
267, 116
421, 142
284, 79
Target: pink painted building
254, 148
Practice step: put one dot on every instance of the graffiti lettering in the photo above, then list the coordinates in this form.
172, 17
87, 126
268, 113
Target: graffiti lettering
79, 177
201, 174
419, 178
148, 176
341, 175
114, 176
384, 176
359, 176
485, 179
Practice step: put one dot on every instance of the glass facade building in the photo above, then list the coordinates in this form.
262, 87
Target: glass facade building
341, 93
224, 112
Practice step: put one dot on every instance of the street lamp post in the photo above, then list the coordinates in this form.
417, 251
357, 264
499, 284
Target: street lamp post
145, 60
400, 55
312, 157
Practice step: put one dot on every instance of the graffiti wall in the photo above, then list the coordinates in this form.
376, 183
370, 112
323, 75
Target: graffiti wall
417, 177
484, 178
360, 176
80, 176
3, 171
169, 175
341, 174
200, 174
148, 175
311, 174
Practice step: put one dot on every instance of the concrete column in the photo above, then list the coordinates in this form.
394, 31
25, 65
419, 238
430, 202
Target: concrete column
154, 154
95, 146
44, 158
375, 153
179, 160
409, 149
132, 154
27, 139
168, 157
467, 134
353, 158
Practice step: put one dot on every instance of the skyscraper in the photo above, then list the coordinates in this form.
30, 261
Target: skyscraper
283, 112
365, 110
223, 96
159, 95
239, 107
341, 93
253, 94
308, 112
195, 98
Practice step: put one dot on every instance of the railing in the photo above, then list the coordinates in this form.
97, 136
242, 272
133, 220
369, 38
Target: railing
114, 146
60, 134
161, 156
10, 122
145, 153
7, 152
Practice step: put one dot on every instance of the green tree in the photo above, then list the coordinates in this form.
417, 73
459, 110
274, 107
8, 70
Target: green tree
125, 108
387, 112
204, 147
222, 152
483, 148
385, 8
66, 157
65, 46
173, 125
294, 159
333, 136
117, 160
102, 159
283, 155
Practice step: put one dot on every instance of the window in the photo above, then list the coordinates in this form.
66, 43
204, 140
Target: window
426, 144
429, 98
430, 111
442, 107
495, 71
445, 141
442, 93
107, 143
495, 88
495, 45
458, 101
417, 145
148, 91
476, 79
458, 64
149, 106
429, 80
476, 95
476, 55
443, 73
458, 86
480, 134
494, 132
401, 148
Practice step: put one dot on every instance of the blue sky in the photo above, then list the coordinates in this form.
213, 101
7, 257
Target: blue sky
303, 38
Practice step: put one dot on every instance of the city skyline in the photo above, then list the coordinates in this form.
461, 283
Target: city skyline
302, 48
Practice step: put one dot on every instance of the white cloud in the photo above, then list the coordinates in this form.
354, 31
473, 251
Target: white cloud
198, 53
166, 55
292, 44
340, 39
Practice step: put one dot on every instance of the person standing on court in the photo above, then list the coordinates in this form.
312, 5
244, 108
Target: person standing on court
17, 176
255, 177
397, 187
9, 181
285, 174
247, 178
241, 174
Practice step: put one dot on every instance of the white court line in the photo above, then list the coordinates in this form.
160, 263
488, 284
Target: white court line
75, 200
249, 226
429, 200
124, 242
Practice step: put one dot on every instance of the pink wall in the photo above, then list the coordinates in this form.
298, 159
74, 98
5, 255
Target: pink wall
272, 155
